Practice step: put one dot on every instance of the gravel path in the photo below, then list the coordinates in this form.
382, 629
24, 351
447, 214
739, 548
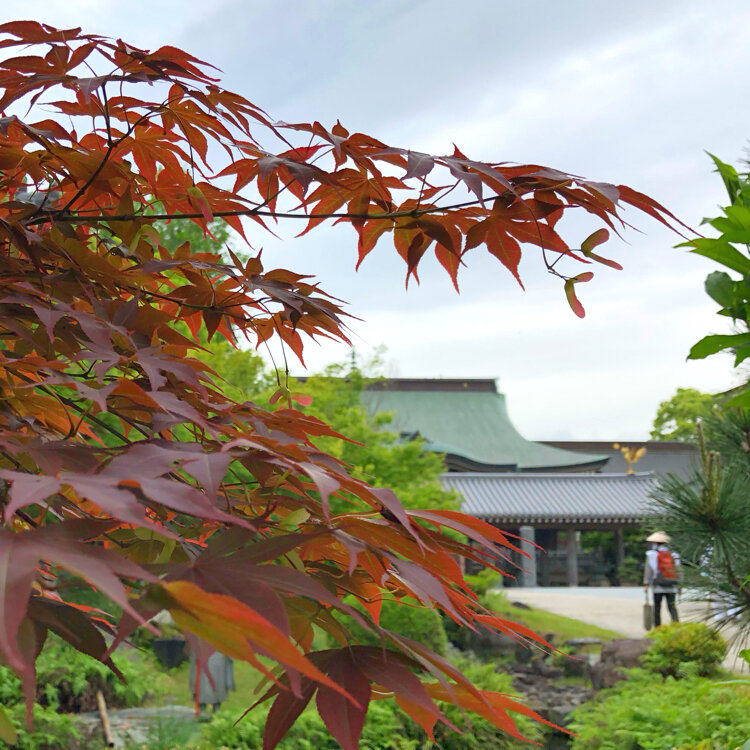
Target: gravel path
616, 608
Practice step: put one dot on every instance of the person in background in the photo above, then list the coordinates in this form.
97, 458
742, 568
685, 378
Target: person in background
221, 669
662, 573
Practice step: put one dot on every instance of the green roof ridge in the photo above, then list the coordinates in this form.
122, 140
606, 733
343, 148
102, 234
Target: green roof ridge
469, 423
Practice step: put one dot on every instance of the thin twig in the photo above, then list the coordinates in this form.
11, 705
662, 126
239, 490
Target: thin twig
53, 216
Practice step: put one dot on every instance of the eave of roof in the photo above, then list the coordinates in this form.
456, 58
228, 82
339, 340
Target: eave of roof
554, 498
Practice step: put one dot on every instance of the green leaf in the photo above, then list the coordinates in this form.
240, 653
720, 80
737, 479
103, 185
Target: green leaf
728, 175
722, 224
741, 400
712, 344
7, 730
746, 746
737, 235
720, 251
720, 287
294, 519
739, 216
745, 654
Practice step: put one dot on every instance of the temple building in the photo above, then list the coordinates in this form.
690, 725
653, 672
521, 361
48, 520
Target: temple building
547, 493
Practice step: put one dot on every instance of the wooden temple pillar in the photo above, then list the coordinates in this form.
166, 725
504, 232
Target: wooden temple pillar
619, 553
572, 555
527, 576
547, 540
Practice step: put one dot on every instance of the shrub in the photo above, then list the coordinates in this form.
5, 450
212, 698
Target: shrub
480, 734
67, 680
419, 623
685, 649
386, 727
646, 712
483, 581
423, 625
383, 730
222, 731
631, 570
51, 730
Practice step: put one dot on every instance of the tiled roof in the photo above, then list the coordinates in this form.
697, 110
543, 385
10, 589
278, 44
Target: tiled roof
662, 456
468, 421
553, 498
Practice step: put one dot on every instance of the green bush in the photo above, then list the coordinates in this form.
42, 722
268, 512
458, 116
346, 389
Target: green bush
647, 712
685, 649
383, 730
386, 727
51, 730
419, 623
631, 570
479, 734
67, 680
64, 675
484, 581
222, 731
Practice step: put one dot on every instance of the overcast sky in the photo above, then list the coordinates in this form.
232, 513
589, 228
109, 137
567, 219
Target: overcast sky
624, 92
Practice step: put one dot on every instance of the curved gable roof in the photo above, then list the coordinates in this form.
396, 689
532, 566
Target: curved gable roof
468, 421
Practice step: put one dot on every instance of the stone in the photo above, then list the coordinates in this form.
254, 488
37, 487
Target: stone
557, 741
625, 652
484, 642
558, 714
545, 670
545, 694
576, 642
605, 675
619, 654
523, 652
575, 667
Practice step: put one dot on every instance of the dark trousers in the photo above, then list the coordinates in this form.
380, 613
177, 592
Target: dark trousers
670, 598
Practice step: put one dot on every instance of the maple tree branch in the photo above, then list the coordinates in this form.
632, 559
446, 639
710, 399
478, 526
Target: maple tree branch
53, 216
73, 405
102, 163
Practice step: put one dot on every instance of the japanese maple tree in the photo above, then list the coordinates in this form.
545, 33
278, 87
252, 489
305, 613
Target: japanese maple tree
123, 465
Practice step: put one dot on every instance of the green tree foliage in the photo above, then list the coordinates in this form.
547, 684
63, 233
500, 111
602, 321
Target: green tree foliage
706, 514
731, 249
603, 544
176, 233
244, 374
373, 453
647, 712
677, 417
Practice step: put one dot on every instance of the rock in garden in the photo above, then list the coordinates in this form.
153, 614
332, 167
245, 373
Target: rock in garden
619, 654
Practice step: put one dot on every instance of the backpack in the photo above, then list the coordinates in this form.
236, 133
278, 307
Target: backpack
666, 569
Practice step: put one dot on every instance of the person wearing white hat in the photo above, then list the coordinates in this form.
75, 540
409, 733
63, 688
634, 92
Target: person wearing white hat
662, 573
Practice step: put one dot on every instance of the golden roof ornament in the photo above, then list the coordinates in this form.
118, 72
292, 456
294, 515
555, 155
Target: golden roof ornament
631, 455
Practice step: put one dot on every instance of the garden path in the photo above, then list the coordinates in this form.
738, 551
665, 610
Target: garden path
616, 608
